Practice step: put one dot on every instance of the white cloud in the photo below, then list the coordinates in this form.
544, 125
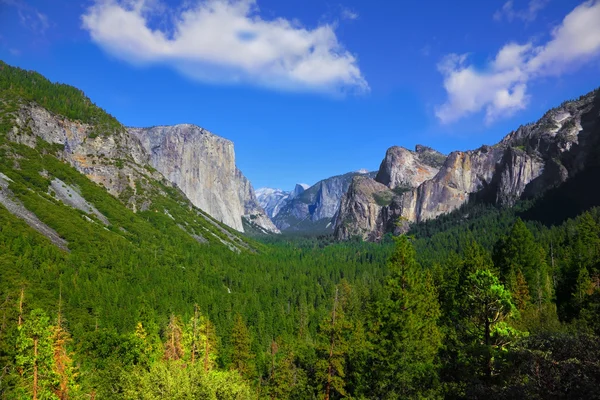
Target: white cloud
348, 14
226, 41
500, 89
528, 15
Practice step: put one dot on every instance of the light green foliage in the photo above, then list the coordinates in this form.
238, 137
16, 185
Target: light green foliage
489, 307
35, 358
177, 380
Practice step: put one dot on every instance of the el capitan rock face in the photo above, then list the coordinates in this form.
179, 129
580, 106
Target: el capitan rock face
202, 165
525, 163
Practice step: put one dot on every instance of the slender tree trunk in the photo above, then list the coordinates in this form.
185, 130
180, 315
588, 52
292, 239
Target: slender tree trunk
21, 306
35, 368
488, 366
194, 334
206, 348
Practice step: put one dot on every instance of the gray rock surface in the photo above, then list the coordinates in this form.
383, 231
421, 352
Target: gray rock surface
253, 212
199, 163
271, 200
70, 196
202, 165
16, 207
404, 168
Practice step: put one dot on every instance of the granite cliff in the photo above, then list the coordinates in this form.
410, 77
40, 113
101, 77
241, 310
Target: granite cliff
202, 165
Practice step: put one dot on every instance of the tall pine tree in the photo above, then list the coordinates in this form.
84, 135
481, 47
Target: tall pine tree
407, 337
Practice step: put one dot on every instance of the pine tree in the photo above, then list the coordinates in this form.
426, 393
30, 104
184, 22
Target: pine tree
521, 294
519, 252
332, 349
407, 337
583, 288
201, 340
281, 377
242, 357
489, 305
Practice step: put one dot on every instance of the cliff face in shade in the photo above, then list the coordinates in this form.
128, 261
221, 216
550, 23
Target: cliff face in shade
525, 163
272, 200
202, 165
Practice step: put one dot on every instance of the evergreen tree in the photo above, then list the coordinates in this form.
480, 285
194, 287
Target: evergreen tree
332, 349
281, 378
519, 252
241, 342
407, 337
489, 305
521, 294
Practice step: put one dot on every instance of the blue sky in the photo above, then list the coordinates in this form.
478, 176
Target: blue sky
308, 89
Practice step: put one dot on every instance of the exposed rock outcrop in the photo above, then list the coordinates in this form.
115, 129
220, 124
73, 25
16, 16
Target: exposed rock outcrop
16, 207
404, 168
113, 161
525, 163
200, 164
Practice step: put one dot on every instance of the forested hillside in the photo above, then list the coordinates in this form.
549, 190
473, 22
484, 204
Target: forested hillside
166, 303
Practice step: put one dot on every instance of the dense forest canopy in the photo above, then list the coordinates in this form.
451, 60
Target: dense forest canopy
483, 302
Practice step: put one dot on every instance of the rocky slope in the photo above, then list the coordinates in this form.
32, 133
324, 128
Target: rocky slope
200, 164
525, 163
313, 209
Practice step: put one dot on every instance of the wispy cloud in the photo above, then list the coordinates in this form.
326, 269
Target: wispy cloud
226, 41
528, 14
501, 87
30, 17
349, 14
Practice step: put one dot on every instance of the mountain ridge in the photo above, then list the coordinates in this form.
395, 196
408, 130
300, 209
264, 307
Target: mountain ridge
526, 162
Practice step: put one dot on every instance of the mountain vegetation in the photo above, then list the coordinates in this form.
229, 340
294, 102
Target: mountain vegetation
485, 302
